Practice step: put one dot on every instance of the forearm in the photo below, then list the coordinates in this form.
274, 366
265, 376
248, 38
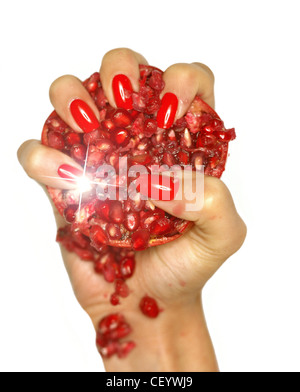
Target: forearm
176, 341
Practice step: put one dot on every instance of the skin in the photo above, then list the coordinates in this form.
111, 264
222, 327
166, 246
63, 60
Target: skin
174, 273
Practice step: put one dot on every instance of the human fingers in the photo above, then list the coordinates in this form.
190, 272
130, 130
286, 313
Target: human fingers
73, 104
217, 223
50, 167
120, 75
182, 83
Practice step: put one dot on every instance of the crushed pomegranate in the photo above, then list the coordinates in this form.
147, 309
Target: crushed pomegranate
108, 232
198, 138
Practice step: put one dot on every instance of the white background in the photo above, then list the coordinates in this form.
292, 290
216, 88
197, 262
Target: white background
252, 303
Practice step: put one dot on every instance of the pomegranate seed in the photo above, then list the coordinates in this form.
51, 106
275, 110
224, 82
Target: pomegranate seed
149, 307
141, 159
110, 349
143, 145
98, 235
110, 271
110, 322
116, 213
94, 157
183, 157
127, 267
225, 135
172, 135
56, 140
113, 231
186, 140
153, 105
100, 99
140, 239
114, 299
125, 348
105, 258
150, 127
168, 159
131, 221
149, 205
149, 217
121, 288
138, 102
101, 340
55, 123
72, 138
122, 330
70, 213
156, 81
108, 124
161, 226
84, 254
120, 136
78, 152
207, 140
92, 83
214, 161
104, 145
197, 159
91, 137
113, 159
137, 127
81, 240
213, 125
121, 118
102, 209
136, 202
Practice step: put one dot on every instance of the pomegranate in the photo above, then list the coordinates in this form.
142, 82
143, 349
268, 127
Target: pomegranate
199, 138
108, 231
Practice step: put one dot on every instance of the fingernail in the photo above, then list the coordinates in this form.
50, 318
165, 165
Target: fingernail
167, 111
84, 116
158, 187
68, 172
122, 90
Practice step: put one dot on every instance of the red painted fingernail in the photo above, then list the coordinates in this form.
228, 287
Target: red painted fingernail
122, 90
167, 111
158, 187
84, 116
68, 172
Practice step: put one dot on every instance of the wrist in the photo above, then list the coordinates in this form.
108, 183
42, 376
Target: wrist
177, 340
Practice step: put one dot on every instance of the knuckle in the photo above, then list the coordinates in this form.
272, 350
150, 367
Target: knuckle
215, 193
60, 83
206, 69
184, 71
236, 238
123, 54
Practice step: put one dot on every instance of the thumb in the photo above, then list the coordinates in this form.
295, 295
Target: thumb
217, 222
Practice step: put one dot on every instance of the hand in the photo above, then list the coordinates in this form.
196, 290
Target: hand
174, 273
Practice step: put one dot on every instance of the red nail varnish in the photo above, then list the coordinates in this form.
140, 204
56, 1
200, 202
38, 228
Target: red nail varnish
84, 116
68, 172
167, 111
122, 90
158, 187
